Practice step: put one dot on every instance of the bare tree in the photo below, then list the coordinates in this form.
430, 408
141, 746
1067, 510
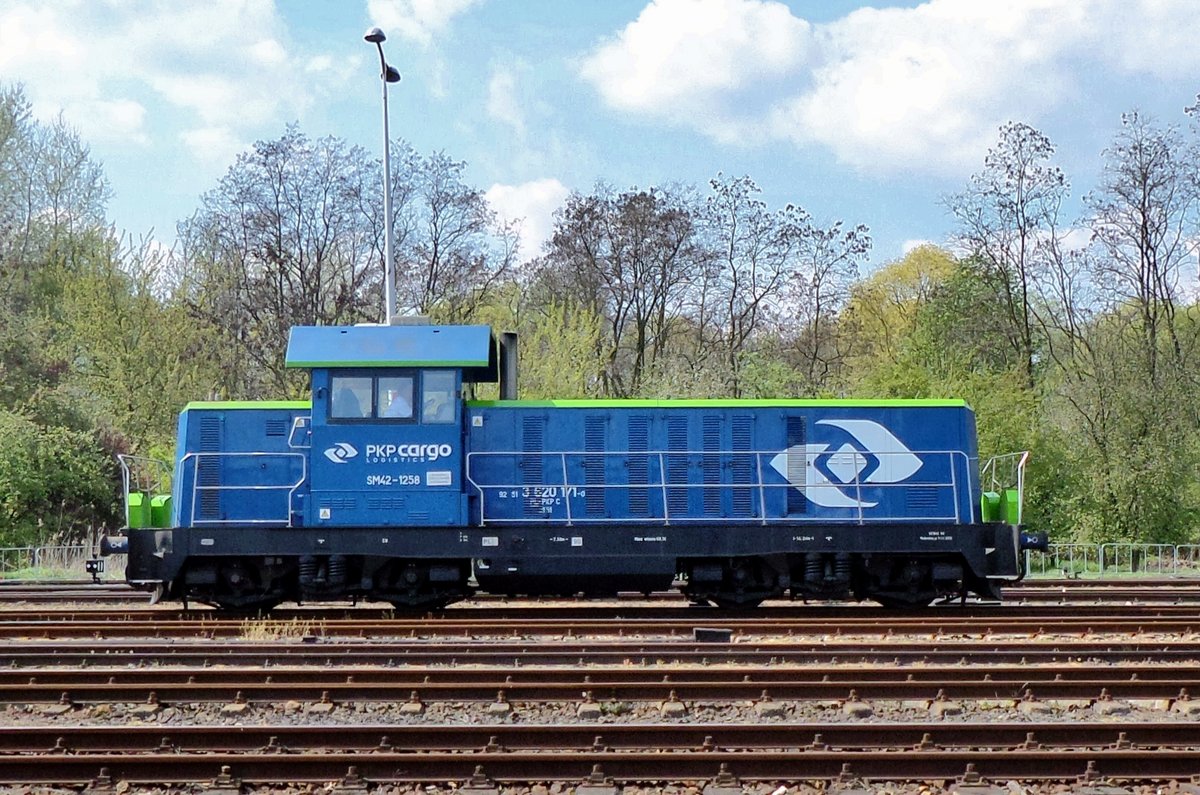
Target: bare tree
754, 259
1009, 220
453, 250
626, 258
1143, 216
828, 259
281, 241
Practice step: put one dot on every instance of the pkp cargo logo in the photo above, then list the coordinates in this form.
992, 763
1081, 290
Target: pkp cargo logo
341, 452
830, 478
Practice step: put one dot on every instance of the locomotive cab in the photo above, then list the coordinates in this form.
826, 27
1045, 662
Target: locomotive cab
386, 434
364, 496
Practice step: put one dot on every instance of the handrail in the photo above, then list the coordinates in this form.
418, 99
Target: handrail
562, 493
1016, 476
300, 424
195, 458
138, 468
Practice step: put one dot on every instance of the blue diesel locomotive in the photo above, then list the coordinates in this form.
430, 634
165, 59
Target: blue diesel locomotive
391, 484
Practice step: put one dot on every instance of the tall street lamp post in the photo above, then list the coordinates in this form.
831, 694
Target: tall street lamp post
388, 74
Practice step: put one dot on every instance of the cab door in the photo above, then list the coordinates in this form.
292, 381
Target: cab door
387, 449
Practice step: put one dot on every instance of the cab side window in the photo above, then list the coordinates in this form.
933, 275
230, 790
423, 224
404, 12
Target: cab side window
351, 397
437, 400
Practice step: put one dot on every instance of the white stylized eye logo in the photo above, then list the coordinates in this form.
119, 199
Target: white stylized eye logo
341, 452
896, 463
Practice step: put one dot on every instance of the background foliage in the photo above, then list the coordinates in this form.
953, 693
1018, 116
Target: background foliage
1077, 338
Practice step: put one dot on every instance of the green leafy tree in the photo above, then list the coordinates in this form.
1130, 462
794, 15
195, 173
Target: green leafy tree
55, 476
55, 483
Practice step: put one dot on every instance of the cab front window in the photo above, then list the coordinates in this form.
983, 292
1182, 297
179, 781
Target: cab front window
351, 397
400, 396
394, 397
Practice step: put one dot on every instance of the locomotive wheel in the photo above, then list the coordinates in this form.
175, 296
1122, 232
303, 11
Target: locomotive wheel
902, 584
240, 589
412, 585
744, 583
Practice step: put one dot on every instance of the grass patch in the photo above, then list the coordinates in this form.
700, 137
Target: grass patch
59, 563
262, 629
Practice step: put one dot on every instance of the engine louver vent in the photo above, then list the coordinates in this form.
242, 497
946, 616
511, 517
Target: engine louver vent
743, 466
533, 433
208, 474
921, 499
677, 465
385, 503
797, 462
639, 466
710, 467
593, 465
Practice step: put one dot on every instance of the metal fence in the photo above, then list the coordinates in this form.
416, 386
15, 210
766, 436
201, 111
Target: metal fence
1115, 560
55, 562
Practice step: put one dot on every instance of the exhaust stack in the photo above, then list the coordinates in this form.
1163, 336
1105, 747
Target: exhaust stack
508, 365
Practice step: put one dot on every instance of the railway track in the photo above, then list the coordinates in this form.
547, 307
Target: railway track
577, 686
482, 769
483, 626
604, 695
396, 753
599, 677
1033, 591
390, 653
668, 737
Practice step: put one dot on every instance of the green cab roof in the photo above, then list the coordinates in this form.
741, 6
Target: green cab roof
390, 346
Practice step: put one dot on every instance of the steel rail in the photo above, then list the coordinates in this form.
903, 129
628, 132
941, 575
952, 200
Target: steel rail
1036, 591
492, 676
1030, 583
782, 736
390, 653
574, 765
607, 627
1042, 685
549, 612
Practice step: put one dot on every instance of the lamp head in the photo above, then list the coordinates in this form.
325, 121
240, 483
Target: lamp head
392, 75
375, 36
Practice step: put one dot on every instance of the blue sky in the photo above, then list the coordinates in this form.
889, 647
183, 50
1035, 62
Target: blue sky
866, 112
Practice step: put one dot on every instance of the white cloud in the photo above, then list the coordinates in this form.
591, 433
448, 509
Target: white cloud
268, 52
533, 204
122, 119
893, 89
502, 104
106, 66
910, 245
215, 147
1076, 238
416, 20
682, 58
